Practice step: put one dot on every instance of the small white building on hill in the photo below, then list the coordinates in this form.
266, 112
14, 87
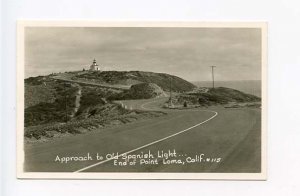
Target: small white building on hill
94, 66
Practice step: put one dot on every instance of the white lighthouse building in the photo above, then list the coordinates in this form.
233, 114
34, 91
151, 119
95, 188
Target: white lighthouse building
94, 66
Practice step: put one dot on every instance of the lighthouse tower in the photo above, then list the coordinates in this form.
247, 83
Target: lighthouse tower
94, 66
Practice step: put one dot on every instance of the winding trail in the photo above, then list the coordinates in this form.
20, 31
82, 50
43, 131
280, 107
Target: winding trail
77, 101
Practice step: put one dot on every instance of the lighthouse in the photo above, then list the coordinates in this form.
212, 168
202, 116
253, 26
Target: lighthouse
94, 66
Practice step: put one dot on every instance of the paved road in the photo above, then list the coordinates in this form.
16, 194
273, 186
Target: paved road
233, 136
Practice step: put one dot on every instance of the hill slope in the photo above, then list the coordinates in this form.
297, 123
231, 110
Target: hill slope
214, 96
55, 107
252, 87
135, 77
139, 91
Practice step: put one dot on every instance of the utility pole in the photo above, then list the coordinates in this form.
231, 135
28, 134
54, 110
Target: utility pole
213, 76
170, 91
66, 112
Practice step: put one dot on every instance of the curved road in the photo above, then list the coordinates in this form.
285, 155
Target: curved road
230, 135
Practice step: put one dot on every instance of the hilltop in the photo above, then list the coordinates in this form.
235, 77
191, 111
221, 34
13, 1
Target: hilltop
129, 78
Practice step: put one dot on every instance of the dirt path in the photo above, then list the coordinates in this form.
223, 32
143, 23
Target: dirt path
77, 101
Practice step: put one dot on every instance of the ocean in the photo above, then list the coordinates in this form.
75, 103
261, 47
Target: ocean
247, 86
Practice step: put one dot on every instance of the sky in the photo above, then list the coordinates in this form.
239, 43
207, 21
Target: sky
184, 52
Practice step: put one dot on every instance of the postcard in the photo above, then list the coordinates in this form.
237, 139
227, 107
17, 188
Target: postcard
142, 100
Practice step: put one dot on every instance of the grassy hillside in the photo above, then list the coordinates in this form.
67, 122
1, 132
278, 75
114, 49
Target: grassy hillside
252, 87
135, 77
92, 118
57, 111
139, 91
39, 89
48, 100
214, 96
56, 107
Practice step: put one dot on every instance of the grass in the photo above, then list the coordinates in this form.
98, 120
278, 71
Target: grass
214, 96
46, 117
57, 111
105, 115
49, 100
139, 91
133, 77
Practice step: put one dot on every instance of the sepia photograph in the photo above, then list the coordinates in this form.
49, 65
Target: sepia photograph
141, 100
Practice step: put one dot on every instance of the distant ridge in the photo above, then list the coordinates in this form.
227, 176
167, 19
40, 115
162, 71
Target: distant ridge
247, 86
214, 96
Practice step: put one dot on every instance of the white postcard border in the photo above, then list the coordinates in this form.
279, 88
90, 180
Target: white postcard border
121, 175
